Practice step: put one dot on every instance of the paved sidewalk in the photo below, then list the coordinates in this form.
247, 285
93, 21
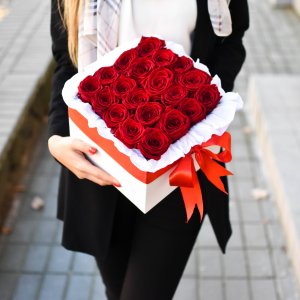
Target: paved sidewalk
25, 53
25, 70
33, 265
278, 135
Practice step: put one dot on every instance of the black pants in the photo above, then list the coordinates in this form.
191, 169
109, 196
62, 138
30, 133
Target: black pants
148, 253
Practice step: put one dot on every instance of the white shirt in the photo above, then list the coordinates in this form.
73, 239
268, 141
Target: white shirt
172, 20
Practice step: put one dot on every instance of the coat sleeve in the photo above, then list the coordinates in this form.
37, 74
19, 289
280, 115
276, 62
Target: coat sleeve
229, 54
58, 114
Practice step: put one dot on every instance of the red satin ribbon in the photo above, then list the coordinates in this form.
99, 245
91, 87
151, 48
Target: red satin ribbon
185, 176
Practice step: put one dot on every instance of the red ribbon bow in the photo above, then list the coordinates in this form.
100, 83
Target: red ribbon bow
185, 176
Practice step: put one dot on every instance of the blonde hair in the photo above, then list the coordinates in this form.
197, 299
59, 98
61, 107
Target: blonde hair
69, 11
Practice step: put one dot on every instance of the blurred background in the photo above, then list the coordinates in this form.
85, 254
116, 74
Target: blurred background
263, 256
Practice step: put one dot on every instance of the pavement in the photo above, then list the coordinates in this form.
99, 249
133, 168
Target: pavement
25, 53
274, 110
25, 70
256, 266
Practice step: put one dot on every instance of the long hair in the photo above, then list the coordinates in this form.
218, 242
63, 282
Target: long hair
69, 11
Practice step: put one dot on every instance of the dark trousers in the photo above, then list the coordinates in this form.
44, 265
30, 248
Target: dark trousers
148, 253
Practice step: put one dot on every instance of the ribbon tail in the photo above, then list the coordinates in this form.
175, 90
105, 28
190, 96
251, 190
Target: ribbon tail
189, 204
198, 196
185, 176
212, 170
192, 196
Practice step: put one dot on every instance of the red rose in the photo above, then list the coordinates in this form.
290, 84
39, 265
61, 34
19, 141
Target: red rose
102, 100
153, 143
87, 88
129, 132
137, 97
194, 78
114, 115
106, 75
174, 123
125, 60
194, 109
192, 93
182, 64
148, 113
158, 80
209, 96
155, 98
164, 57
148, 46
123, 85
173, 95
140, 68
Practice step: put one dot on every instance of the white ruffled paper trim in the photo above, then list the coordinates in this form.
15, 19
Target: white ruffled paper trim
215, 123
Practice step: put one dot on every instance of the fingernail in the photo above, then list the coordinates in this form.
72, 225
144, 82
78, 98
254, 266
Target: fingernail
92, 150
117, 184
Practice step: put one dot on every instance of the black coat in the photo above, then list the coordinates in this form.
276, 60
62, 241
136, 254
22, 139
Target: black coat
88, 209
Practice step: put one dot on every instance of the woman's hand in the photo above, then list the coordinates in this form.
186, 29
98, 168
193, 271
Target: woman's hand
70, 152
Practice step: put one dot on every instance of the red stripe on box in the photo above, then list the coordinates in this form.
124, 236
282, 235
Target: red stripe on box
109, 147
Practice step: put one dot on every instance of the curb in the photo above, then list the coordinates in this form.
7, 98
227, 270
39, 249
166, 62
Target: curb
275, 176
16, 153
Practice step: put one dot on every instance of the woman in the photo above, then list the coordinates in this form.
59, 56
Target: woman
139, 256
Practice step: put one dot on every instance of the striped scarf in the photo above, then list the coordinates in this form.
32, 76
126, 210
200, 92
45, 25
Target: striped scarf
99, 26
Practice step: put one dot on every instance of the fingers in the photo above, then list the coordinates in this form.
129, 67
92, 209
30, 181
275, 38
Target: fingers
99, 181
81, 146
84, 169
97, 175
69, 152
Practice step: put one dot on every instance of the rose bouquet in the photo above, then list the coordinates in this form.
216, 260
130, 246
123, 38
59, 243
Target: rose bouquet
151, 106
